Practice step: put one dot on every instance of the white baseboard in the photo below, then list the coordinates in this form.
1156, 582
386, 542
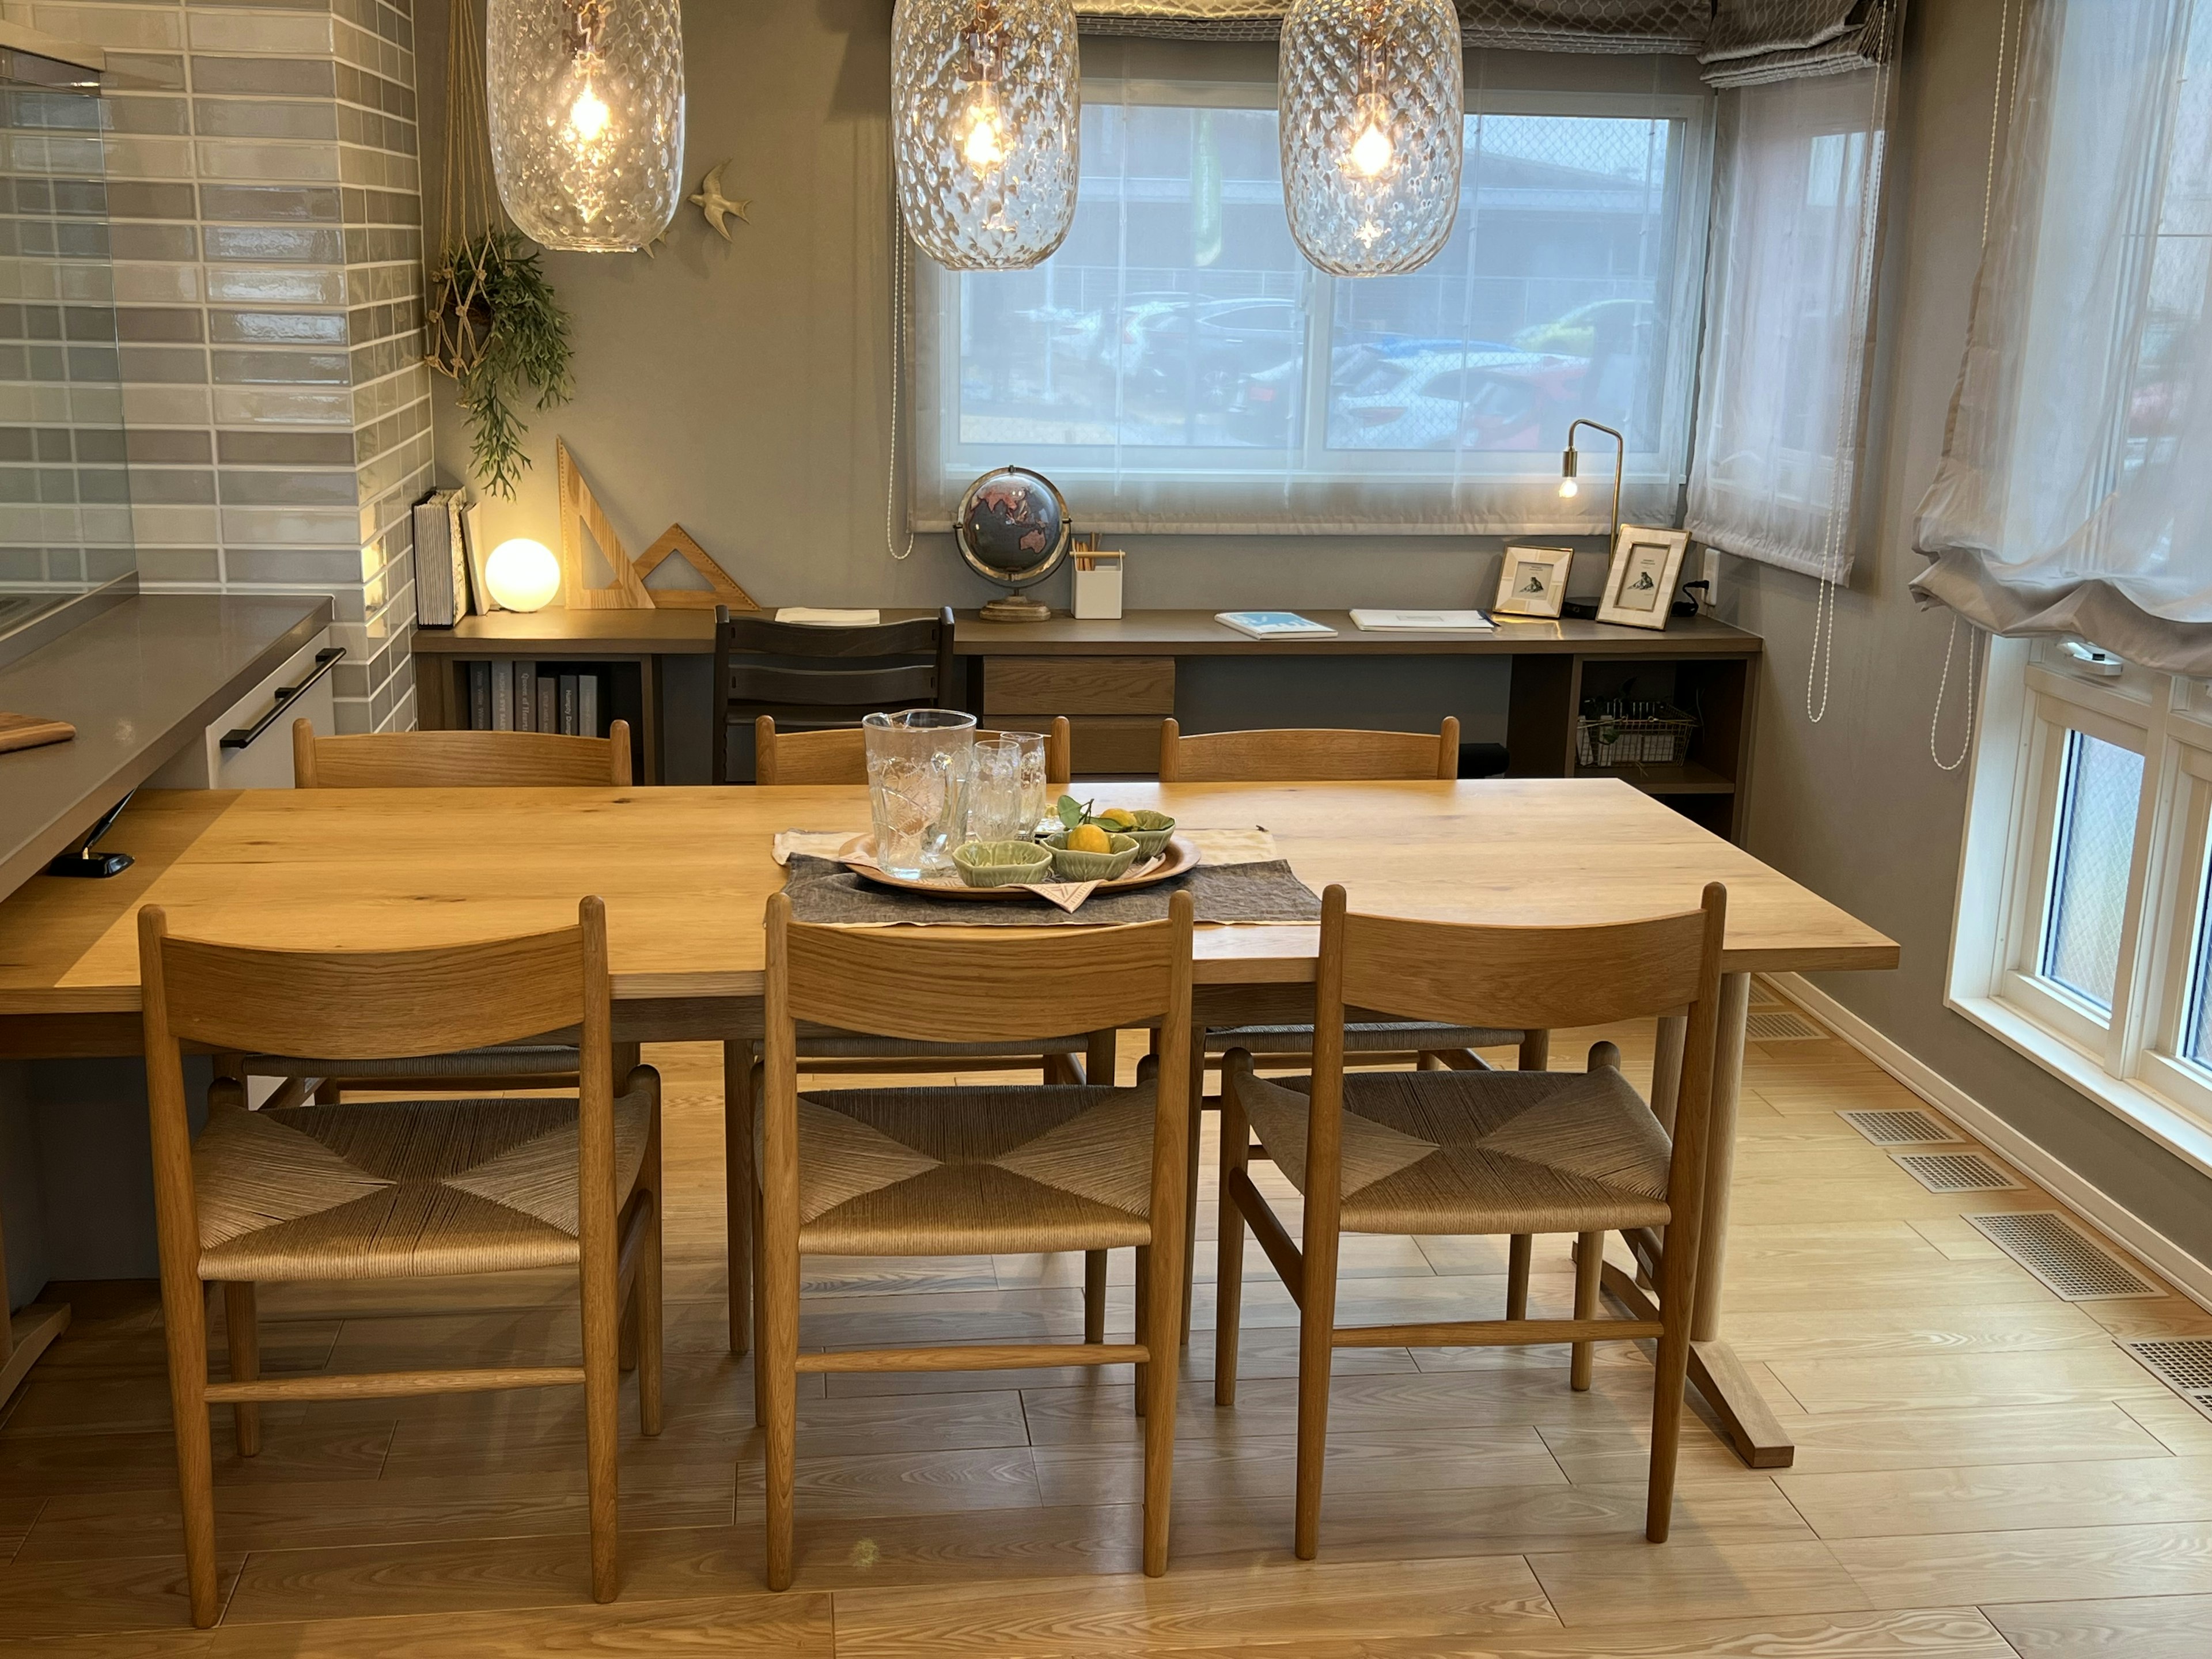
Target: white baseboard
2087, 1201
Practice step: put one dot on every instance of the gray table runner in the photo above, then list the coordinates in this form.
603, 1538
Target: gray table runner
823, 890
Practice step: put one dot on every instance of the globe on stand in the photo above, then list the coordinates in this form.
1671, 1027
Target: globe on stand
1013, 527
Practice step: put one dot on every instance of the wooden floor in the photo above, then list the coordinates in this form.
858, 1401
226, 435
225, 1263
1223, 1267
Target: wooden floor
1981, 1473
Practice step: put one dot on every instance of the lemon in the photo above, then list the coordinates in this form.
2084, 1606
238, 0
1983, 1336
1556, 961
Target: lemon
1088, 838
1119, 816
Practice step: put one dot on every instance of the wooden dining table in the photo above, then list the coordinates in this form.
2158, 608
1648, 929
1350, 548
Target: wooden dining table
686, 873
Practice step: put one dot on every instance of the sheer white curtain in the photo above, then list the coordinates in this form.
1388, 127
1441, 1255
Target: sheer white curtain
2073, 495
1789, 302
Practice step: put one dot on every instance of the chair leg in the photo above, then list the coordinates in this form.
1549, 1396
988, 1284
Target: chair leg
1229, 1222
1589, 1260
1099, 1057
1158, 1391
760, 1319
184, 1323
775, 1384
626, 1338
737, 1184
1670, 1375
602, 1392
1535, 1050
1094, 1295
1518, 1255
1197, 1098
1143, 1320
243, 1332
647, 1295
327, 1094
1316, 1354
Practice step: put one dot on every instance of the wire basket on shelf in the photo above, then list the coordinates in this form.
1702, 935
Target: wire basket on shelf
1620, 732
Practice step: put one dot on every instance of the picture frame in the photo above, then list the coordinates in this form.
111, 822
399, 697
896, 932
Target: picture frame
1532, 582
1646, 569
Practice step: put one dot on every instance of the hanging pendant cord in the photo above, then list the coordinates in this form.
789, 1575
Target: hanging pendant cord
1975, 645
902, 268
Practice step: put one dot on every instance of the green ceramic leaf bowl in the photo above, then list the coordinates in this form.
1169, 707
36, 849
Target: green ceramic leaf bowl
1092, 867
1151, 832
1001, 863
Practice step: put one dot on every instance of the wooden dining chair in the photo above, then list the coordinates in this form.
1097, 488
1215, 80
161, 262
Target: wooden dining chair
1457, 1152
443, 760
1328, 756
840, 755
400, 1189
809, 678
459, 760
1307, 756
972, 1170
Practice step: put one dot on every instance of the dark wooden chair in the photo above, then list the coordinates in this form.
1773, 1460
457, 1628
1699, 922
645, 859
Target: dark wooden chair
820, 679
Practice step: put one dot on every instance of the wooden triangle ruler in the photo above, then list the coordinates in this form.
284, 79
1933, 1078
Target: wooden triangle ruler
677, 543
580, 512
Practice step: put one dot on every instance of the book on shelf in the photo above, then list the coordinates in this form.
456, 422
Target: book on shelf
545, 704
1275, 625
502, 695
474, 553
587, 705
569, 705
525, 696
1422, 622
480, 696
441, 583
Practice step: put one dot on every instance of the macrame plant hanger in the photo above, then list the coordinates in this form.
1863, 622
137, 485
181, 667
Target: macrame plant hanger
460, 316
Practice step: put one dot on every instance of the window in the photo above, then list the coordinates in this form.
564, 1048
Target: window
1177, 364
2085, 918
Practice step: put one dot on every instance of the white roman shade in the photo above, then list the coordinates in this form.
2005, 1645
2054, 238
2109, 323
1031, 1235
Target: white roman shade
2071, 496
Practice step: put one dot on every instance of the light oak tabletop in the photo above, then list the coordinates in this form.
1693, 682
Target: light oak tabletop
686, 873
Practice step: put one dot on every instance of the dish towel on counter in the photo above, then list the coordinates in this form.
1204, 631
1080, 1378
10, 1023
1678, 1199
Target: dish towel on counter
1238, 878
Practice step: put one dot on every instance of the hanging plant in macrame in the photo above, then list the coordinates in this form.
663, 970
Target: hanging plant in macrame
492, 320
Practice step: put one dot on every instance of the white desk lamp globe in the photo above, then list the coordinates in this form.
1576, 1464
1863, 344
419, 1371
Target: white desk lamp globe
523, 574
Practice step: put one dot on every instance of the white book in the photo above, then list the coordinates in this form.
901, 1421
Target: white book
587, 706
1422, 622
472, 540
815, 615
1275, 624
545, 703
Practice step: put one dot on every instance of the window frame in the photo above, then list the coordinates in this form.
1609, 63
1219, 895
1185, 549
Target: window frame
940, 465
2131, 1060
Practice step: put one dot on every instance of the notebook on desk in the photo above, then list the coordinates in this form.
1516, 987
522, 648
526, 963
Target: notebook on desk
1275, 624
1422, 622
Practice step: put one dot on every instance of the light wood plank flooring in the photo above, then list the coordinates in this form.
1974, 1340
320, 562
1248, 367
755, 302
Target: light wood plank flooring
1982, 1473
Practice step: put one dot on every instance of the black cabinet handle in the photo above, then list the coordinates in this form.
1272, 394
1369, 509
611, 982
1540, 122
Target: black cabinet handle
326, 659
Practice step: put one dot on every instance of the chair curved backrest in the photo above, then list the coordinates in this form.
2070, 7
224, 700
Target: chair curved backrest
814, 678
1321, 755
842, 755
458, 760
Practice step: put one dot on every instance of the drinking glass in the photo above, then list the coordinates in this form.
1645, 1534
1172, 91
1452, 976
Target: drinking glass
1036, 795
918, 762
995, 797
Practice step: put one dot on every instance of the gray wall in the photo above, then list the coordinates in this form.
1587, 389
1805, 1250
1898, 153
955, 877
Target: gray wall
1853, 806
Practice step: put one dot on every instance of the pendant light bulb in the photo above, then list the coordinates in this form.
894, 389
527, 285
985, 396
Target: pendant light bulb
1570, 464
984, 110
585, 99
1569, 489
1373, 110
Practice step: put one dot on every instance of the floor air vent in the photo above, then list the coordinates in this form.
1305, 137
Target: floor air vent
1955, 1172
1908, 1127
2182, 1363
2071, 1266
1779, 1025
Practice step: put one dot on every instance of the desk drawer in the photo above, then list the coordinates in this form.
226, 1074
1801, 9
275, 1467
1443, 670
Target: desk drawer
1078, 685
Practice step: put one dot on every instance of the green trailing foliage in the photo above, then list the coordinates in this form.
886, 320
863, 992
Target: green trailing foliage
497, 329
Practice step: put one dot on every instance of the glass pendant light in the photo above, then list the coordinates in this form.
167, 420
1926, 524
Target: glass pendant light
1373, 101
585, 99
984, 113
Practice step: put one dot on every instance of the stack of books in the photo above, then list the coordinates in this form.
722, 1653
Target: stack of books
513, 697
449, 560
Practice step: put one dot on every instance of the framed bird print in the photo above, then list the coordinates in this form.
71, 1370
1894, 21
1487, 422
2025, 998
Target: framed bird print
1647, 565
1533, 581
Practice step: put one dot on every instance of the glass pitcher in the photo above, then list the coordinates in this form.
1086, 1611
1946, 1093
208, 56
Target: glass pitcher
918, 771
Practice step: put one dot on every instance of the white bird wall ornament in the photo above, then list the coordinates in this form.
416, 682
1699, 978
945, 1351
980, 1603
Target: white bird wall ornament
714, 205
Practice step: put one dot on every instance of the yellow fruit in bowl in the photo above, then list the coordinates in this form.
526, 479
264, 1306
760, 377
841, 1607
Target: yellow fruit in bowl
1088, 838
1119, 817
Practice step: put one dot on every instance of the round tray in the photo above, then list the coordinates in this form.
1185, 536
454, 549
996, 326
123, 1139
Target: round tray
1180, 856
